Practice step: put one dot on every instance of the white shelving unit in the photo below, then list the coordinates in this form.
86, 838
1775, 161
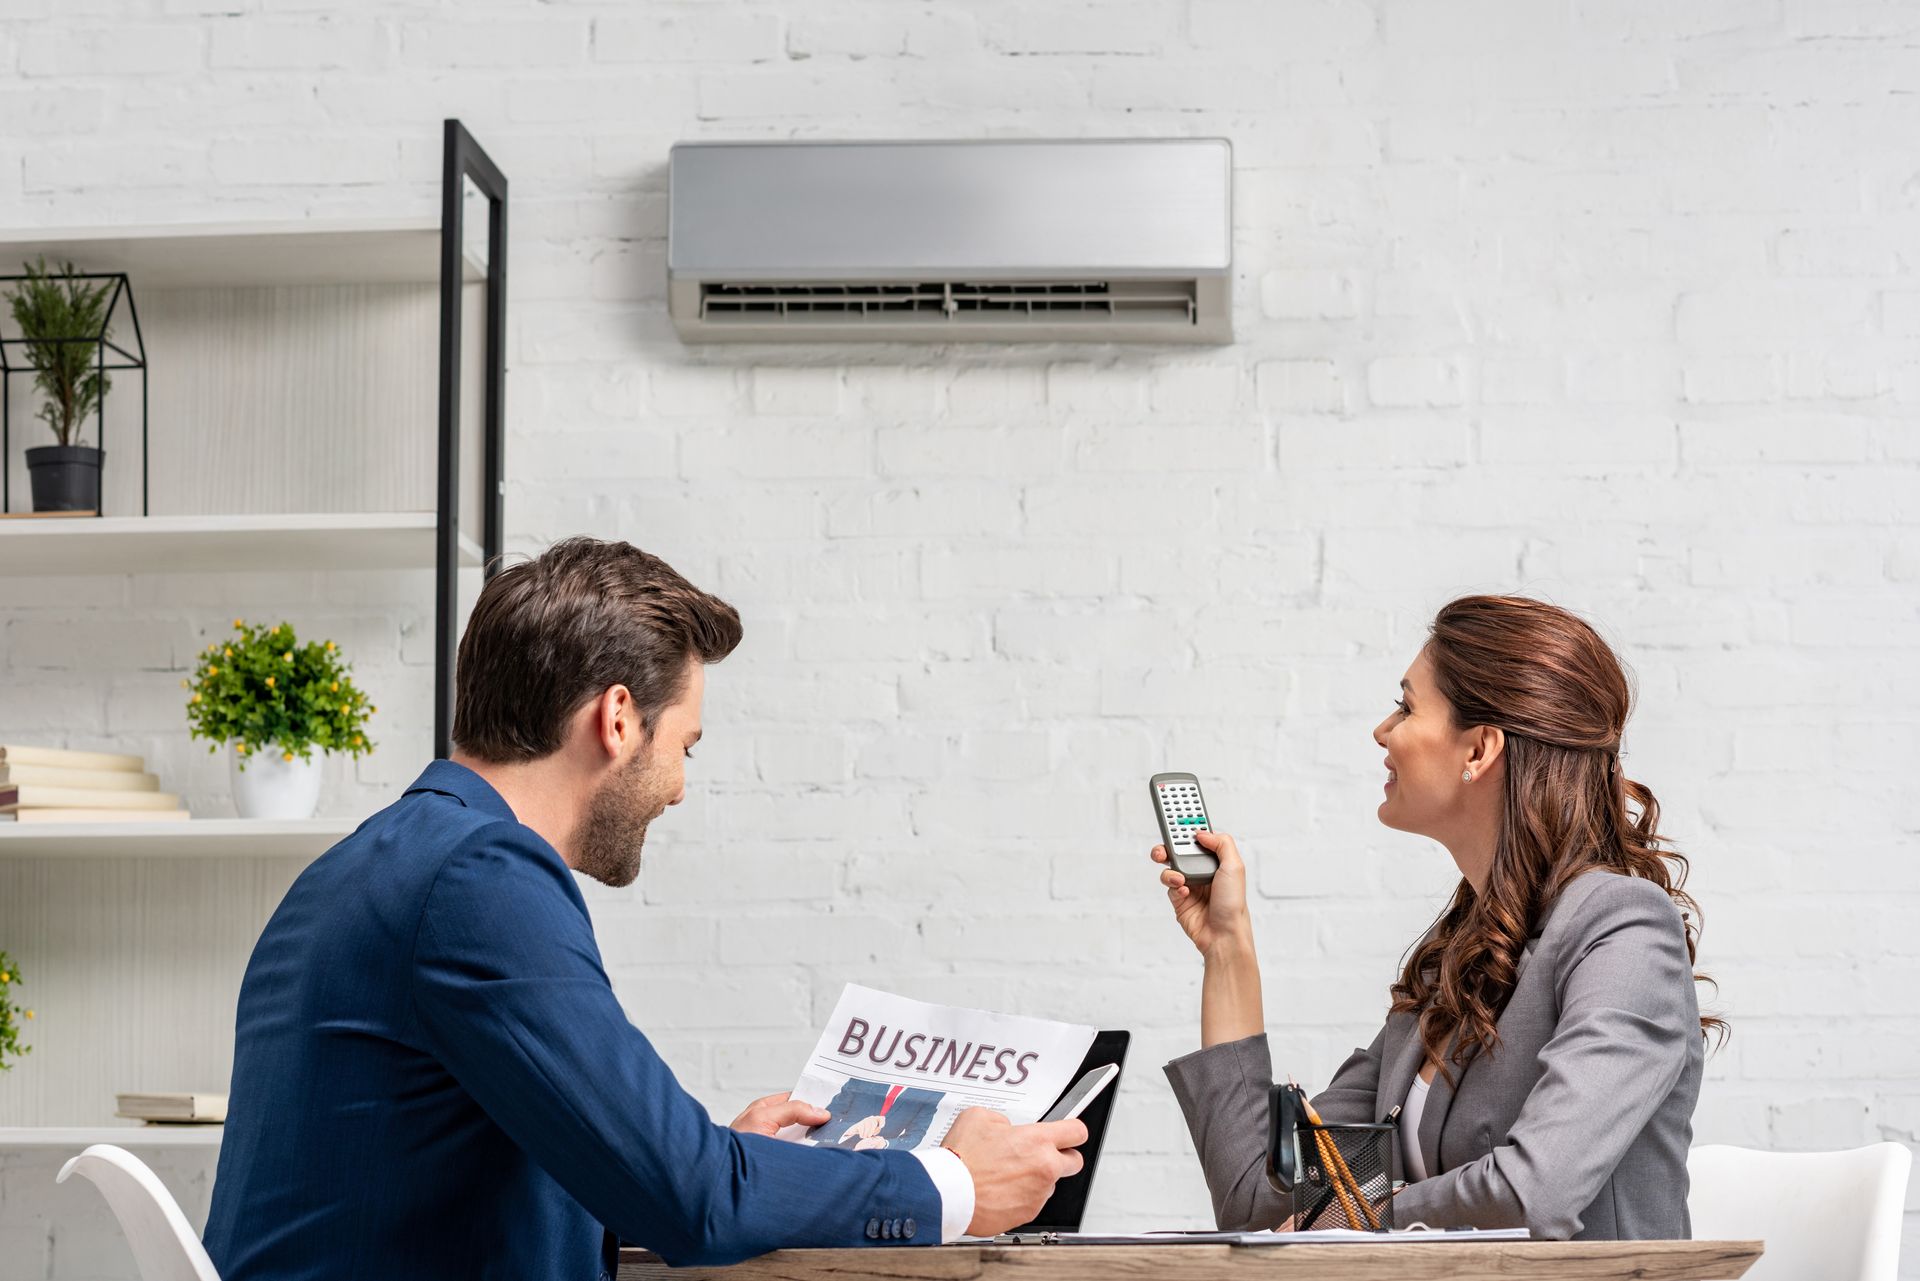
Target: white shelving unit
316, 399
130, 1134
193, 838
289, 262
214, 544
228, 255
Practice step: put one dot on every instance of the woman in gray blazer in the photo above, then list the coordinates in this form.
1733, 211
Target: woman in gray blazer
1543, 1050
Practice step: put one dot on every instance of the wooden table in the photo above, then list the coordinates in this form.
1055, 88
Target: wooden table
1461, 1261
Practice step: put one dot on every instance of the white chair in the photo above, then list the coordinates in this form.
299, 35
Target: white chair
1825, 1216
165, 1246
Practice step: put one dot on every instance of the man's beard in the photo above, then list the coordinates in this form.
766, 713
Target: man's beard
606, 846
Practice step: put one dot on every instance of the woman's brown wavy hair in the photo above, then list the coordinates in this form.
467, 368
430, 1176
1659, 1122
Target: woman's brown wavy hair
1546, 678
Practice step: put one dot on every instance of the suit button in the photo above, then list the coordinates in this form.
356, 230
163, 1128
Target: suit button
893, 1228
873, 1229
910, 1227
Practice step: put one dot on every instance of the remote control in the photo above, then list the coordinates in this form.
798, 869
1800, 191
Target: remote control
1177, 804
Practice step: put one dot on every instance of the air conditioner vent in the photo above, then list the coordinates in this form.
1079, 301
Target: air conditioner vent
1116, 240
952, 302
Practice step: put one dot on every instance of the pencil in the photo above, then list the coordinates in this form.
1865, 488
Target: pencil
1328, 1156
1344, 1173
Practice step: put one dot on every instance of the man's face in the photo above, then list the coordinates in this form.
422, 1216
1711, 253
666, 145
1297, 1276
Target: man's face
639, 789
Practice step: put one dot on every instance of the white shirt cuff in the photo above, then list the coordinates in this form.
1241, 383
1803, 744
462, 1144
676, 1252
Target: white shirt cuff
954, 1182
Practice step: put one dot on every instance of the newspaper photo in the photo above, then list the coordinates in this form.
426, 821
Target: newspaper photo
893, 1072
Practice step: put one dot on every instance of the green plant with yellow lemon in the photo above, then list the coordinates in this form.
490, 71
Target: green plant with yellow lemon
264, 691
11, 1013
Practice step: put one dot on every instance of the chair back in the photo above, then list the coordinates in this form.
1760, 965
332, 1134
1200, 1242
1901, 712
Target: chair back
165, 1246
1830, 1216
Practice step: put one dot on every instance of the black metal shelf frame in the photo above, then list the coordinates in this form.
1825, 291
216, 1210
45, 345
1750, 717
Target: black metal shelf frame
464, 159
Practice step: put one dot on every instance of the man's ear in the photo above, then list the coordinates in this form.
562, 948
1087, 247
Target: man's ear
617, 725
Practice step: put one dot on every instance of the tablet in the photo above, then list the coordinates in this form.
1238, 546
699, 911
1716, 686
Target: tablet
1068, 1204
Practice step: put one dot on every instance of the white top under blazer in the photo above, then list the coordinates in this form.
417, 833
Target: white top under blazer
1410, 1115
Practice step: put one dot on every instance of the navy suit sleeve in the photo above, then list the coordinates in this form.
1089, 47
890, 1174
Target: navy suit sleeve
510, 996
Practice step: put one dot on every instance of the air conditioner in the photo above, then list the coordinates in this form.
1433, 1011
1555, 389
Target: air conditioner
1123, 240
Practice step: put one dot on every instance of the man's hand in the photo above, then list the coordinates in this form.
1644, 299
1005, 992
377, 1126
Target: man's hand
1014, 1167
776, 1112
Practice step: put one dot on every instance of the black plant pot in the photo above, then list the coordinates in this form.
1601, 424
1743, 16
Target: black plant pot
65, 478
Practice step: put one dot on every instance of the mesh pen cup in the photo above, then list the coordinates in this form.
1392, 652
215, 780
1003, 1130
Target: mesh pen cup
1344, 1177
1339, 1176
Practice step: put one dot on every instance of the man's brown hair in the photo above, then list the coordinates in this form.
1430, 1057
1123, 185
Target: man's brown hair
550, 633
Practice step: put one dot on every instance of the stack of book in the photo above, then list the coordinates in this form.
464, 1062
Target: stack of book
53, 785
176, 1109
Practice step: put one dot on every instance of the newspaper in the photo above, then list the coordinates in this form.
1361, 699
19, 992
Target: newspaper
895, 1072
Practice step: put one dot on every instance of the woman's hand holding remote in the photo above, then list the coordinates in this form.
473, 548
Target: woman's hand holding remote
1215, 913
1214, 916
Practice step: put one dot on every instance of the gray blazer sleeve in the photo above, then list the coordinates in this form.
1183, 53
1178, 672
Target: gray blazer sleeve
1627, 1017
1223, 1094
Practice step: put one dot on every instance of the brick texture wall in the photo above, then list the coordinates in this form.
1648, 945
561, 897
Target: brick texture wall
1609, 301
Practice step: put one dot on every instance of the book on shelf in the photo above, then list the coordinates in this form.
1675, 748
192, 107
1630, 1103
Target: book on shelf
58, 785
66, 758
38, 796
104, 780
175, 1108
84, 814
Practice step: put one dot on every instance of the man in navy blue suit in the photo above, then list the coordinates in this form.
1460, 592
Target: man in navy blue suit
432, 1078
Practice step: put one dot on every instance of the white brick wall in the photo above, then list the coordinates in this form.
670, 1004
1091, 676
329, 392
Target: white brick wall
1613, 302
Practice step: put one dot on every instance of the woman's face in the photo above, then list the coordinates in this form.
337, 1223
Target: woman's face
1425, 757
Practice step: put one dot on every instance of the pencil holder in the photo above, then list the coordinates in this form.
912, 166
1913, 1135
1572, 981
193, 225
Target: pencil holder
1360, 1195
1340, 1176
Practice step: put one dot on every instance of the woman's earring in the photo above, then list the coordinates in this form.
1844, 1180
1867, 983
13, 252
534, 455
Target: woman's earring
1466, 776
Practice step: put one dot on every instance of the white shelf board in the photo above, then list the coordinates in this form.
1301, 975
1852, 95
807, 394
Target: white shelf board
206, 255
126, 1134
194, 838
214, 544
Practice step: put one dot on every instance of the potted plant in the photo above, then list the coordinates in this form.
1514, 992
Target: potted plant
10, 1013
273, 700
64, 319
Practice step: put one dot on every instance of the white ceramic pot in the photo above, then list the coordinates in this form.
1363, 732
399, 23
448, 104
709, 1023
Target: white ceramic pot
271, 787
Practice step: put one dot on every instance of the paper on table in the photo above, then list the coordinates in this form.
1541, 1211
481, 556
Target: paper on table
1319, 1236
